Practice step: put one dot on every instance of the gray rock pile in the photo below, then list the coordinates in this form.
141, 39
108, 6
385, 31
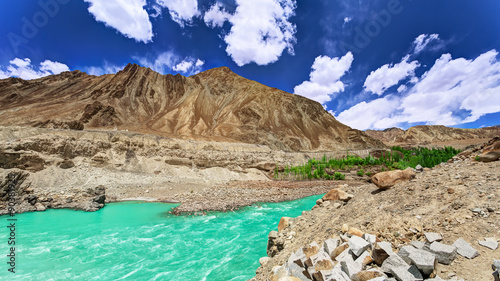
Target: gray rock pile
357, 256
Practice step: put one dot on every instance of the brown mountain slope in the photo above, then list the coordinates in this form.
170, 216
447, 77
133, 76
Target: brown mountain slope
214, 105
424, 135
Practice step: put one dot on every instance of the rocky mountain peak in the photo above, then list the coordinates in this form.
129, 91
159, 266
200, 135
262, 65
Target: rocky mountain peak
213, 105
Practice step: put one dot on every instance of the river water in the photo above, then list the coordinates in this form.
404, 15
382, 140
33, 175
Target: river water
142, 241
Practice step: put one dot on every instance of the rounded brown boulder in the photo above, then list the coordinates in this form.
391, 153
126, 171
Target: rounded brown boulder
388, 179
337, 194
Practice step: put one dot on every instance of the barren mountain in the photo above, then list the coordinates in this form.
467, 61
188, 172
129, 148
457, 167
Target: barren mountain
215, 105
434, 135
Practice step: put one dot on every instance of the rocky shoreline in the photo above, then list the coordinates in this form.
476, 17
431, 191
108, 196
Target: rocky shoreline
232, 196
17, 197
228, 197
457, 200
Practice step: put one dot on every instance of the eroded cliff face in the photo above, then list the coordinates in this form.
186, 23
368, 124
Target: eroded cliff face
215, 105
423, 135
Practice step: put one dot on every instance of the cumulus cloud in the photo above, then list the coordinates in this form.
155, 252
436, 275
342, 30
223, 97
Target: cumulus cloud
452, 91
216, 16
23, 68
365, 115
189, 66
167, 62
389, 75
422, 41
261, 39
324, 80
128, 17
181, 11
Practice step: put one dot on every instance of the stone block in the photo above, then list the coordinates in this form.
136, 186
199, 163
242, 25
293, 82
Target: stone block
432, 236
406, 273
370, 238
298, 257
331, 275
358, 245
341, 248
445, 254
465, 249
350, 267
320, 261
495, 265
311, 250
381, 251
424, 261
330, 245
278, 272
393, 261
296, 271
493, 245
364, 259
346, 255
418, 244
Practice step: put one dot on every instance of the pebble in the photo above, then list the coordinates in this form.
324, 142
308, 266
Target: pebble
345, 228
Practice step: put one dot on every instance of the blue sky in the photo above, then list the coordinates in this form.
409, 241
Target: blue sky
373, 64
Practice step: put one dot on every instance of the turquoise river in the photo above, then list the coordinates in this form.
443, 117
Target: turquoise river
142, 241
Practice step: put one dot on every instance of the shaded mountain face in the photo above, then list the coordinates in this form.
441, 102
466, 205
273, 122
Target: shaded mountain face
432, 134
213, 105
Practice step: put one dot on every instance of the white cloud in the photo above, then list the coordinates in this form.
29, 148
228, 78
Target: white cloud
189, 66
128, 17
216, 16
325, 78
23, 68
347, 19
452, 85
365, 115
3, 75
453, 91
389, 75
422, 41
261, 31
167, 62
53, 67
181, 11
163, 63
107, 68
402, 88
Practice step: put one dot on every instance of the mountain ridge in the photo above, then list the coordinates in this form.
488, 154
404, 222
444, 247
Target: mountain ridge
216, 104
431, 134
